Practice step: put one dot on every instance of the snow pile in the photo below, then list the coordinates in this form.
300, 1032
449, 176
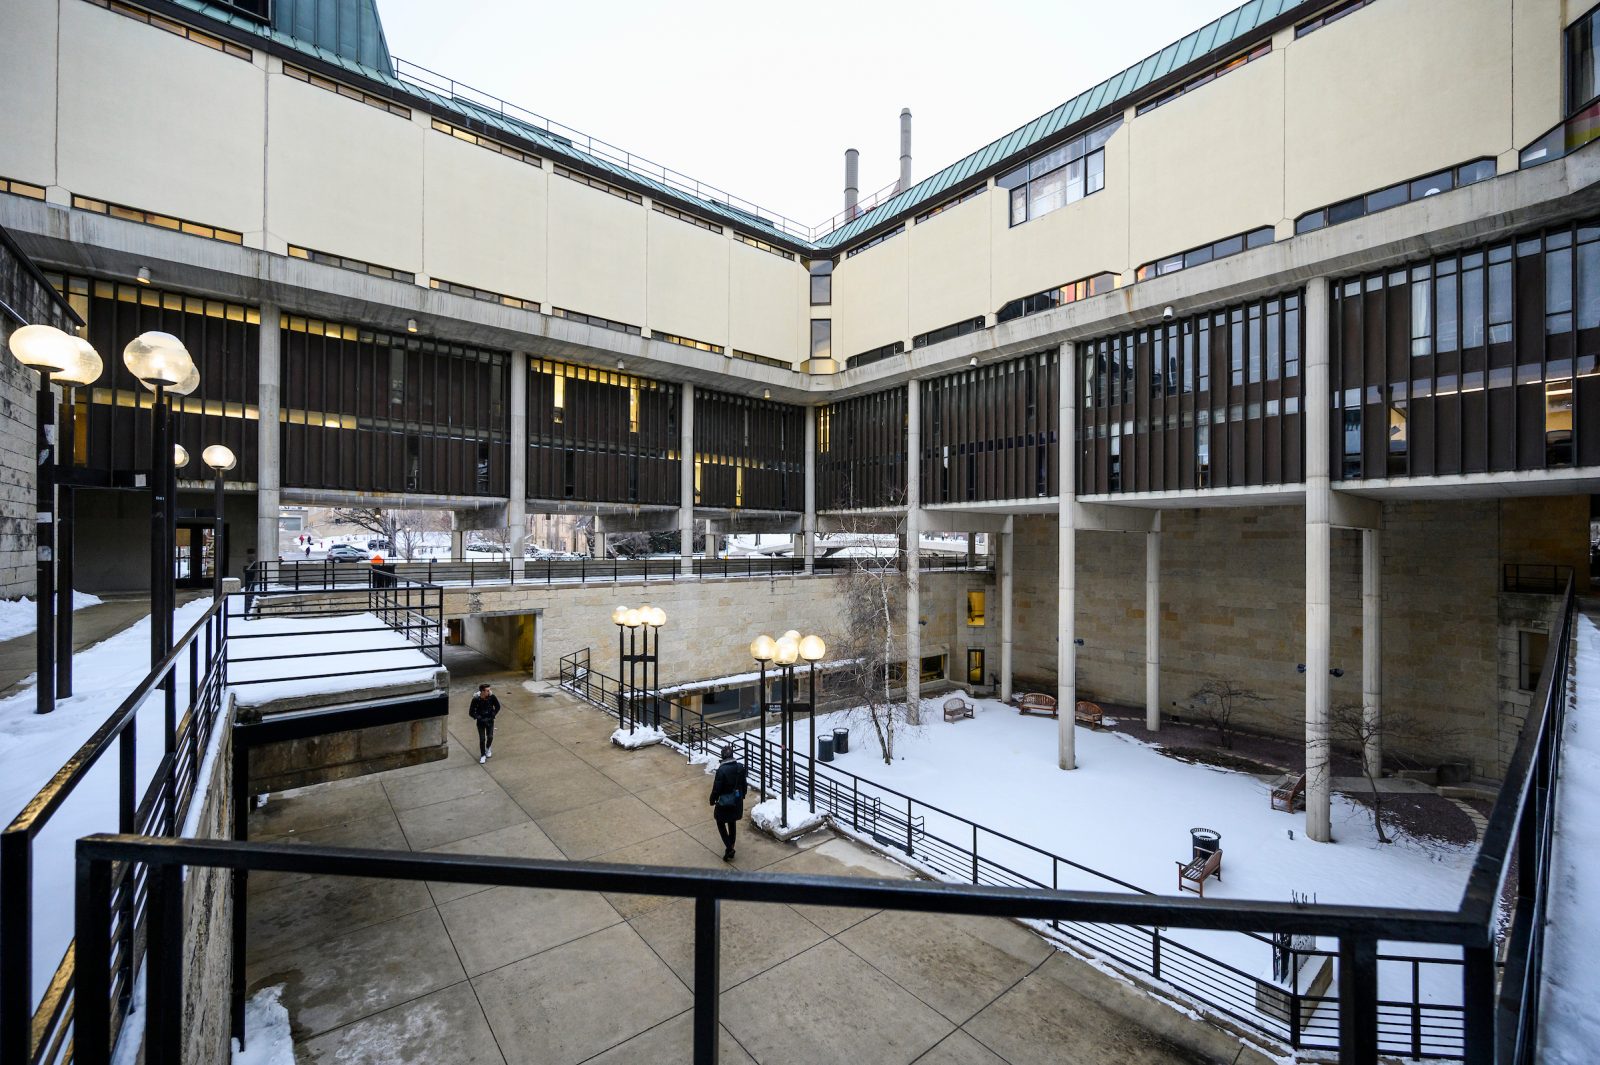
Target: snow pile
268, 1040
643, 736
1570, 1028
335, 644
768, 817
705, 758
17, 616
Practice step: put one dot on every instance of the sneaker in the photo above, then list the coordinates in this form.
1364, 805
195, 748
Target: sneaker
482, 758
489, 753
727, 855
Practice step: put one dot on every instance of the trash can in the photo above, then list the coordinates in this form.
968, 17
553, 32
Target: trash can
824, 748
1205, 842
841, 741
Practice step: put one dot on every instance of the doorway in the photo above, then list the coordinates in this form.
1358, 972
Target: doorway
975, 665
194, 556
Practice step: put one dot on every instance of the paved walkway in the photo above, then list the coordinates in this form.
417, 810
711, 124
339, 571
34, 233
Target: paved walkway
90, 625
395, 972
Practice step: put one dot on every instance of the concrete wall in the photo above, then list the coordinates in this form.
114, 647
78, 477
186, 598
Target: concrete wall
208, 919
113, 535
18, 396
505, 638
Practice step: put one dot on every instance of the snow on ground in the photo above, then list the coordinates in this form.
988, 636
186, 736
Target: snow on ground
1126, 811
640, 737
19, 616
1569, 1025
268, 1038
335, 644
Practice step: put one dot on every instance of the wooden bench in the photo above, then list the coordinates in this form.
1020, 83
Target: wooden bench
1088, 713
1036, 703
957, 708
1289, 793
1195, 871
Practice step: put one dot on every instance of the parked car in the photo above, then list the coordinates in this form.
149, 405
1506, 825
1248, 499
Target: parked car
346, 553
492, 549
379, 545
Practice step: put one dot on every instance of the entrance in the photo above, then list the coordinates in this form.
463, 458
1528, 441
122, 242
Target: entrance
194, 554
975, 666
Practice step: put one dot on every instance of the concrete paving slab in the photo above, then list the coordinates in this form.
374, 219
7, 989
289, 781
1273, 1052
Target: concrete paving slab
318, 806
672, 848
578, 999
453, 819
755, 937
339, 979
754, 850
683, 802
324, 907
412, 792
518, 841
502, 925
567, 786
800, 1011
671, 1041
837, 857
959, 1048
603, 826
380, 831
957, 965
444, 1028
457, 758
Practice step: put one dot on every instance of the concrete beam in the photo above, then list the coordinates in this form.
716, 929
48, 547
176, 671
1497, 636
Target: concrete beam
1346, 511
1098, 517
650, 521
964, 521
768, 524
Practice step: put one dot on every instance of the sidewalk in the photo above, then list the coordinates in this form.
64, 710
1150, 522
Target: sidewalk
90, 625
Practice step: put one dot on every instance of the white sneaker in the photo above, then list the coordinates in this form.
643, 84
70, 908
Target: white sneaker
482, 758
489, 753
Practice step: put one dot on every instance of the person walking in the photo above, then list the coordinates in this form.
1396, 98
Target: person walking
727, 799
483, 708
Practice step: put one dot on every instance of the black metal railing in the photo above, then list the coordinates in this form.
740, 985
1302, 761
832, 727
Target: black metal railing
1535, 579
312, 574
957, 849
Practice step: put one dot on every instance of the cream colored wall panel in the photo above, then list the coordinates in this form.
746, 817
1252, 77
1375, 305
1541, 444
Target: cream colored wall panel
1208, 164
597, 252
484, 218
1362, 115
1077, 241
343, 177
688, 278
768, 298
28, 72
1537, 42
154, 121
950, 265
870, 299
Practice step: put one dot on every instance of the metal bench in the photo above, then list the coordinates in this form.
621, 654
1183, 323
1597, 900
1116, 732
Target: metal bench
1195, 870
957, 708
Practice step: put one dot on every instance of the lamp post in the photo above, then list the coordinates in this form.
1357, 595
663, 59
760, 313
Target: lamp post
161, 363
653, 618
619, 618
60, 356
221, 459
812, 649
763, 649
66, 505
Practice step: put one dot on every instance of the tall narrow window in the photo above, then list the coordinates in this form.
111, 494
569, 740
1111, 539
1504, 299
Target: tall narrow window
1444, 292
1203, 357
1255, 344
1291, 337
822, 282
1352, 443
1583, 63
1421, 312
822, 338
1558, 423
1558, 290
1236, 350
1500, 295
1589, 281
1274, 351
1472, 324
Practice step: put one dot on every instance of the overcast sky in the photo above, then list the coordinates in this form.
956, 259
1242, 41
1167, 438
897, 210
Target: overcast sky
762, 99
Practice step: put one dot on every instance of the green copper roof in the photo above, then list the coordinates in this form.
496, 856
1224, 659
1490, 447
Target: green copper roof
347, 33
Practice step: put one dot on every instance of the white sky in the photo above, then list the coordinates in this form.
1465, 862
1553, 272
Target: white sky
762, 99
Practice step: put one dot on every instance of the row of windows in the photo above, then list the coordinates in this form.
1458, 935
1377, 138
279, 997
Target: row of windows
1059, 177
596, 183
946, 205
483, 294
672, 212
346, 91
867, 358
597, 321
151, 218
764, 246
238, 51
948, 332
875, 241
686, 342
344, 262
1052, 298
1206, 252
1327, 17
22, 188
484, 142
1209, 76
764, 360
1395, 195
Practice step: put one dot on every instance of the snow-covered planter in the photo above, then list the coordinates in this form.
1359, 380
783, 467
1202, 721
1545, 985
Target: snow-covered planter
639, 737
768, 817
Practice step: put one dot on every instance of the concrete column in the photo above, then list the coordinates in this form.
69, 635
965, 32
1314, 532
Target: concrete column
1372, 649
686, 482
268, 480
913, 548
1066, 563
1152, 626
1007, 578
458, 540
1319, 542
517, 467
972, 550
809, 522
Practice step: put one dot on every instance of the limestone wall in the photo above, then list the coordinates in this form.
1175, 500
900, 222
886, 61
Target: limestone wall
208, 918
18, 389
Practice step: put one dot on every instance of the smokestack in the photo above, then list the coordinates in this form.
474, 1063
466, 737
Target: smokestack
852, 181
905, 150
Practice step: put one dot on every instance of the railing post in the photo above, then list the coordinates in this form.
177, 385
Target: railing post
1055, 885
707, 978
909, 846
855, 801
1358, 1000
16, 946
974, 852
1478, 1006
241, 886
164, 943
1416, 1009
1155, 952
127, 816
91, 970
1294, 1008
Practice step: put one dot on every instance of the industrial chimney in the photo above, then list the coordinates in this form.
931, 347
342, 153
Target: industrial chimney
852, 180
905, 150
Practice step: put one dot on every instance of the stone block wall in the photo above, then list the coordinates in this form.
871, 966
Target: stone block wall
18, 397
208, 919
340, 755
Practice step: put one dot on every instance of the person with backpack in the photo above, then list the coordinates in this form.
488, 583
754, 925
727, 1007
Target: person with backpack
483, 708
727, 799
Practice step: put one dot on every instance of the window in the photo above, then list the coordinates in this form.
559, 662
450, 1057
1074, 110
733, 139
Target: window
822, 338
484, 142
764, 246
672, 212
178, 29
1421, 311
1327, 17
22, 188
348, 92
1558, 423
1221, 249
932, 667
1469, 173
151, 218
946, 205
1532, 647
1052, 298
482, 294
1061, 176
1583, 63
597, 321
867, 358
686, 342
346, 263
596, 183
822, 282
1203, 79
948, 332
975, 608
1398, 440
875, 241
1352, 438
765, 360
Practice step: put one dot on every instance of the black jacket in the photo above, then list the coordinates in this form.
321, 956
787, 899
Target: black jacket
730, 780
481, 709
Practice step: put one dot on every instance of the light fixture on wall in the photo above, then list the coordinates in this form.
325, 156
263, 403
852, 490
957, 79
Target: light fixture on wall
766, 393
411, 325
143, 276
972, 361
619, 364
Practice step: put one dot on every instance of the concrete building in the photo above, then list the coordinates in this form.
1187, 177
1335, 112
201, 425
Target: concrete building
1271, 357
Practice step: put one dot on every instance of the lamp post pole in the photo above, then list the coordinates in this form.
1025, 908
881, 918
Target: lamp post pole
160, 560
787, 731
622, 659
811, 724
761, 704
221, 459
44, 555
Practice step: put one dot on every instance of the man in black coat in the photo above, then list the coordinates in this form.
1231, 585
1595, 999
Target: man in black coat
483, 709
727, 799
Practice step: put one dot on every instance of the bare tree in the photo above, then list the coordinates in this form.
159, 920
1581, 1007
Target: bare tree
1217, 701
406, 531
874, 645
1368, 733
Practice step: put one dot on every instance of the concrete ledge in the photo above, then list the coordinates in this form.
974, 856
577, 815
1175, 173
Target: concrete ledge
437, 683
341, 755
